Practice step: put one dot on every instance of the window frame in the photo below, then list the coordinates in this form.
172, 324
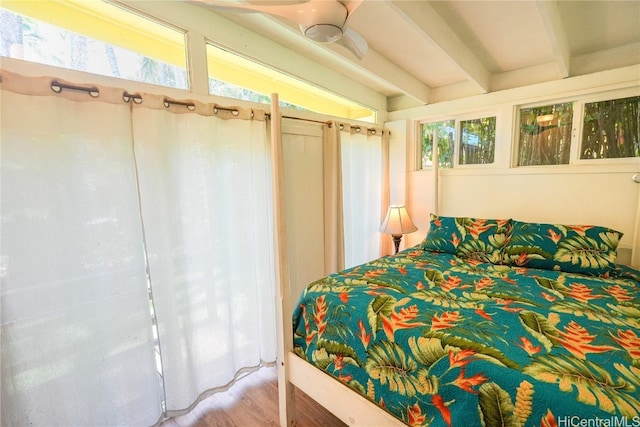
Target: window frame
458, 118
578, 102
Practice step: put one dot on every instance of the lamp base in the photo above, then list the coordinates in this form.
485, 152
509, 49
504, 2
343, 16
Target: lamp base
396, 241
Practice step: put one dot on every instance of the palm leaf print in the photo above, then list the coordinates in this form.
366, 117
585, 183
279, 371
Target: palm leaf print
477, 249
495, 406
594, 385
427, 351
433, 277
585, 251
440, 298
389, 364
382, 305
556, 287
333, 350
482, 351
597, 313
539, 327
629, 312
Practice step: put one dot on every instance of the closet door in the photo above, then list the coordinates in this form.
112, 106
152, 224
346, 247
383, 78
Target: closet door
302, 149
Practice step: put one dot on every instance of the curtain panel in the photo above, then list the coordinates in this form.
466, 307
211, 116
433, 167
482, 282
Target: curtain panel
137, 267
362, 158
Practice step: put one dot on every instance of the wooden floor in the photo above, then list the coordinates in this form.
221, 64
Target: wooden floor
253, 401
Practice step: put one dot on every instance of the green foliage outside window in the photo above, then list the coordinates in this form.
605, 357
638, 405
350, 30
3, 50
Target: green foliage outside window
611, 129
545, 135
446, 139
25, 38
478, 141
229, 90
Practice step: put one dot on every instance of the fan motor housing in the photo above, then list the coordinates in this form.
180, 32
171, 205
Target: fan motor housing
323, 33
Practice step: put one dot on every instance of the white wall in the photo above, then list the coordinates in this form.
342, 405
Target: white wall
600, 193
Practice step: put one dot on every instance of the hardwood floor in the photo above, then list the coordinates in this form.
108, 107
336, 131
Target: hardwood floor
253, 401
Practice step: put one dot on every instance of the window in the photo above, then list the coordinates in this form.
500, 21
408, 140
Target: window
476, 145
446, 134
545, 135
96, 37
611, 129
234, 76
477, 141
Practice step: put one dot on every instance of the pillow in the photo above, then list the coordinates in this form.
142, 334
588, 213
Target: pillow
469, 238
586, 249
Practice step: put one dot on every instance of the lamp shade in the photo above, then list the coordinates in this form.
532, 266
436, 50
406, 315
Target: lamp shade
397, 221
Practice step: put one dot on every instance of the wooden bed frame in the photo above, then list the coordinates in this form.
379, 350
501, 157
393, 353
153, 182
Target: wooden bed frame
346, 404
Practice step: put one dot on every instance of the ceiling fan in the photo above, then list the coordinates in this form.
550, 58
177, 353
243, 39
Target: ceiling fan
323, 21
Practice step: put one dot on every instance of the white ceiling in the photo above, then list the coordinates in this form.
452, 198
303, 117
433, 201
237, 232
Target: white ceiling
429, 51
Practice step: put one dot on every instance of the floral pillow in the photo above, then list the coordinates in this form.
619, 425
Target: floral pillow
469, 238
586, 249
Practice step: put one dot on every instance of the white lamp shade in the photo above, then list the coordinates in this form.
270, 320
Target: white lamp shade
397, 221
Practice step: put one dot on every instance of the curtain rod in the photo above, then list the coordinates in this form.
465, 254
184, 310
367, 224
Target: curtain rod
57, 87
94, 92
328, 122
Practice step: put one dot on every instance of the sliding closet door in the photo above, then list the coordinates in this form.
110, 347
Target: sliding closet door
303, 168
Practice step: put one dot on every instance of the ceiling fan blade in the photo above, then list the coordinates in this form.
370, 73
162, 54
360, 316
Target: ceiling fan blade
355, 43
322, 21
306, 14
351, 6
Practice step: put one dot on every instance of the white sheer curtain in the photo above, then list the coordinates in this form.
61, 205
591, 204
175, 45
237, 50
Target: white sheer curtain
76, 346
103, 202
206, 201
362, 179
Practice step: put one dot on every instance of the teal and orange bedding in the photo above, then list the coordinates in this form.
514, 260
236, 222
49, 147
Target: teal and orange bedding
438, 340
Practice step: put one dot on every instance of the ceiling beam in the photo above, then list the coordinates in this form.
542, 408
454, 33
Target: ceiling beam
423, 18
373, 67
556, 35
378, 68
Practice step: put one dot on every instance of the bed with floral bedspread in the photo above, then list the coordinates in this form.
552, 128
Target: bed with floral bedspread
485, 323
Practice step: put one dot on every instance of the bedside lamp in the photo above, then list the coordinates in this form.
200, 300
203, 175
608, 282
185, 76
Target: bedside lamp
397, 223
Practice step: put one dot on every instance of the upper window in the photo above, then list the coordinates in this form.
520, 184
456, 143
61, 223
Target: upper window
477, 141
234, 76
545, 135
475, 145
445, 132
610, 130
95, 37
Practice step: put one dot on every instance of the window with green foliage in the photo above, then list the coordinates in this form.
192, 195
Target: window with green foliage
545, 135
66, 43
477, 141
611, 129
446, 134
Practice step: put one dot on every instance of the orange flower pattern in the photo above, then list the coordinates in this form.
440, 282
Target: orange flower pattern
577, 340
435, 339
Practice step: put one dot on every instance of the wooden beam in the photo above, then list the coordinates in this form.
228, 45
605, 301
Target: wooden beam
556, 35
423, 18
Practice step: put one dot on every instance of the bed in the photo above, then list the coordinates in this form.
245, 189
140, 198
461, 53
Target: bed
487, 322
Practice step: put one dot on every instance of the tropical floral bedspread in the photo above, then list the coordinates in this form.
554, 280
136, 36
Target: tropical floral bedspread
440, 341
